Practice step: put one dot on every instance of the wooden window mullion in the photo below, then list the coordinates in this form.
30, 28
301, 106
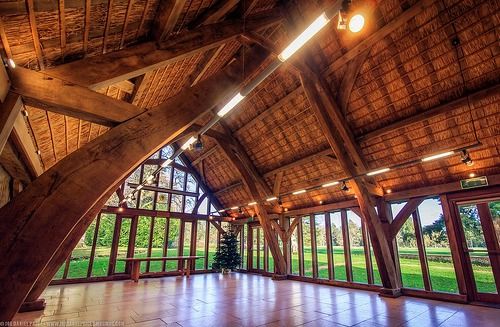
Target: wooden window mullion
258, 248
150, 243
368, 254
314, 253
165, 244
266, 256
347, 245
192, 248
329, 247
66, 267
180, 247
421, 250
300, 241
114, 245
94, 244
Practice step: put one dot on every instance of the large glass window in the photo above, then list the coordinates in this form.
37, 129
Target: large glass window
307, 249
358, 259
157, 244
201, 236
338, 254
321, 251
173, 242
103, 245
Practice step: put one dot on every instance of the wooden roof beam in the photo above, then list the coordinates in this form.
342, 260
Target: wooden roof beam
24, 143
205, 155
167, 15
10, 108
104, 70
228, 188
53, 94
215, 13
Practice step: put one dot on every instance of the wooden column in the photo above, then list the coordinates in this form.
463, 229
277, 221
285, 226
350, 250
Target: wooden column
368, 256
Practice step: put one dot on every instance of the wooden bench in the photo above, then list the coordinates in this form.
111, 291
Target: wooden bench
184, 262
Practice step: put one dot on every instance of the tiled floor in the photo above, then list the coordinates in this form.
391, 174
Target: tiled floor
245, 300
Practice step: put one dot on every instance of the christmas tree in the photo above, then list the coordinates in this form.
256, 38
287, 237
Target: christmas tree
227, 256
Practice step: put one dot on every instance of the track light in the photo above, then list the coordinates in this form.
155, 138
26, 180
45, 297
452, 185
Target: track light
465, 158
342, 23
377, 172
198, 145
305, 36
344, 187
330, 184
438, 156
280, 203
240, 210
230, 105
233, 208
299, 192
252, 203
271, 199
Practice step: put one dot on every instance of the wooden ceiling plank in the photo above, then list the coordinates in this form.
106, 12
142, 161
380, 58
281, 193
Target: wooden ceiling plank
228, 188
34, 34
167, 15
101, 71
476, 97
140, 29
277, 183
69, 99
299, 162
5, 41
13, 165
378, 36
9, 110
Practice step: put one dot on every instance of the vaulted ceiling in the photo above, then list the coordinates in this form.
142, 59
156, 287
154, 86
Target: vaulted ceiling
421, 78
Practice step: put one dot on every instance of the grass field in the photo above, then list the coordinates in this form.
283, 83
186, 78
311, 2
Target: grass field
442, 274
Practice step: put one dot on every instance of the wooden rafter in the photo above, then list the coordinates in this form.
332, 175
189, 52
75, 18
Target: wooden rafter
125, 22
167, 15
34, 33
9, 110
86, 27
62, 27
214, 13
204, 155
24, 143
350, 75
107, 26
105, 70
404, 214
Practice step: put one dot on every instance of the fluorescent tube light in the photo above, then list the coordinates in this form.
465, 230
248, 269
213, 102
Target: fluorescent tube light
234, 208
252, 203
188, 143
166, 163
139, 187
330, 184
299, 192
305, 36
376, 172
438, 156
230, 105
271, 199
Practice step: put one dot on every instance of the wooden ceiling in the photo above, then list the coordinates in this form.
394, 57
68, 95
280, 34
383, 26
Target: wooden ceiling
394, 82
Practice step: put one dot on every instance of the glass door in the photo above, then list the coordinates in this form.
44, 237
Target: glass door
480, 229
256, 251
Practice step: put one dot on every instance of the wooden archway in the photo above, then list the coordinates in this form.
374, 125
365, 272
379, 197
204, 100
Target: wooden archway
36, 223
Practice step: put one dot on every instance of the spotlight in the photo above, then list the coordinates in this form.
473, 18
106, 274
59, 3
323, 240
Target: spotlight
344, 187
356, 23
472, 175
240, 210
388, 191
210, 217
320, 201
120, 209
286, 209
280, 203
342, 23
465, 158
198, 145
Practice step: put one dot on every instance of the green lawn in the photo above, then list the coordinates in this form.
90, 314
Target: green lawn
442, 273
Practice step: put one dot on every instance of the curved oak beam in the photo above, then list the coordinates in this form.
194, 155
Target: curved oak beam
36, 223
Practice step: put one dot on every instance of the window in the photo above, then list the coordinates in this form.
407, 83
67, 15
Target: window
358, 259
306, 246
142, 239
103, 245
338, 254
201, 236
173, 242
321, 252
157, 244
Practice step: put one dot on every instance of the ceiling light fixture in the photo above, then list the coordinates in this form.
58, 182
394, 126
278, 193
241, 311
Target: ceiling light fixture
377, 172
471, 175
12, 63
271, 199
252, 203
299, 192
356, 23
230, 105
233, 208
166, 163
344, 187
465, 158
438, 156
305, 36
330, 184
